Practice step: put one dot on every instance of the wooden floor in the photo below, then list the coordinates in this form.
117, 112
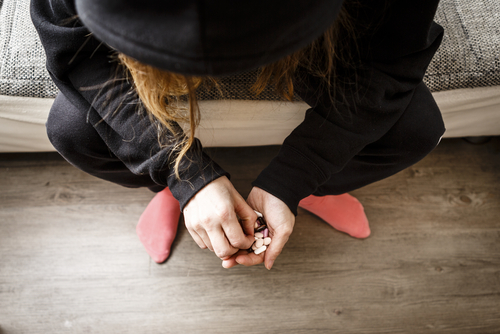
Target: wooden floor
70, 261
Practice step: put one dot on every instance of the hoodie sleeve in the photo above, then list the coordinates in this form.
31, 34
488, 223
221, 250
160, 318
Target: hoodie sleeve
394, 55
84, 71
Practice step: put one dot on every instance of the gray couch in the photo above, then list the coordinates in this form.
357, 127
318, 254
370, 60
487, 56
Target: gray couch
464, 77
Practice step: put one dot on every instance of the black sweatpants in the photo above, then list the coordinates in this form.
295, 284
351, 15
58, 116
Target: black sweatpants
416, 133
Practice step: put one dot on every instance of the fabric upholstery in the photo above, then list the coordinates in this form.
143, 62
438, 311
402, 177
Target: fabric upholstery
469, 55
22, 59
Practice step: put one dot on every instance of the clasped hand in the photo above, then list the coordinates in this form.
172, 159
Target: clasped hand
219, 219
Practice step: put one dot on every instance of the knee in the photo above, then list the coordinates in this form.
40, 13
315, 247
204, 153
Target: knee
60, 126
67, 128
57, 131
419, 142
421, 127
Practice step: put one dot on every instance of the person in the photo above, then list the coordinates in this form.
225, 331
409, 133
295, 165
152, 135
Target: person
358, 65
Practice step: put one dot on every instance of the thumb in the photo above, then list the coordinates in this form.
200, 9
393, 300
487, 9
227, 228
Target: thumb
279, 237
247, 215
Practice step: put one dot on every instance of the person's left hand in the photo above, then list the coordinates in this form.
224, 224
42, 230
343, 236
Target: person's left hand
280, 221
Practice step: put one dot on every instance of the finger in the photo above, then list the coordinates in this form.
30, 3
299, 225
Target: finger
247, 215
249, 259
280, 237
230, 262
197, 239
236, 237
221, 245
205, 238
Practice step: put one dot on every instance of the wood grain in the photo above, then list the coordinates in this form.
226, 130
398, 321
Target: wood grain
70, 261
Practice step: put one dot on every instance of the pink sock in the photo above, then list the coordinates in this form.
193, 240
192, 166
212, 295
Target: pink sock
343, 212
158, 225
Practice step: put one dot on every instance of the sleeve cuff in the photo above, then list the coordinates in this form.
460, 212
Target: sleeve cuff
196, 171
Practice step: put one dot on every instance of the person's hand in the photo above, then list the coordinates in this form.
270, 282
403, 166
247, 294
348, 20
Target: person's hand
280, 221
213, 218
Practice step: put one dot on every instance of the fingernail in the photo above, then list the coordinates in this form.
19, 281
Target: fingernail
270, 265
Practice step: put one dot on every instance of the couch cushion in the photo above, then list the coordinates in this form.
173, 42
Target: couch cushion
22, 59
469, 55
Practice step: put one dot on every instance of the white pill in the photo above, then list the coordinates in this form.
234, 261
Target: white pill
258, 214
259, 243
259, 235
254, 246
267, 241
260, 250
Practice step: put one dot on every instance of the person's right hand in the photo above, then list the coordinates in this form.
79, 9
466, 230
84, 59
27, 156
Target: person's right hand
219, 219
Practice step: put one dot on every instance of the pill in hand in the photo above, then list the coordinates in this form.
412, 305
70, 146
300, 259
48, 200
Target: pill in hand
262, 239
265, 233
259, 243
260, 250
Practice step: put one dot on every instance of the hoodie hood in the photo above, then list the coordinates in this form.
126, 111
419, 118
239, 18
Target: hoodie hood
207, 37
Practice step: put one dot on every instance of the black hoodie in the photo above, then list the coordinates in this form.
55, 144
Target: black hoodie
395, 52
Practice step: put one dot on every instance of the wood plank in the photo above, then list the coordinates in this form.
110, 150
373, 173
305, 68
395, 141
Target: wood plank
70, 260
